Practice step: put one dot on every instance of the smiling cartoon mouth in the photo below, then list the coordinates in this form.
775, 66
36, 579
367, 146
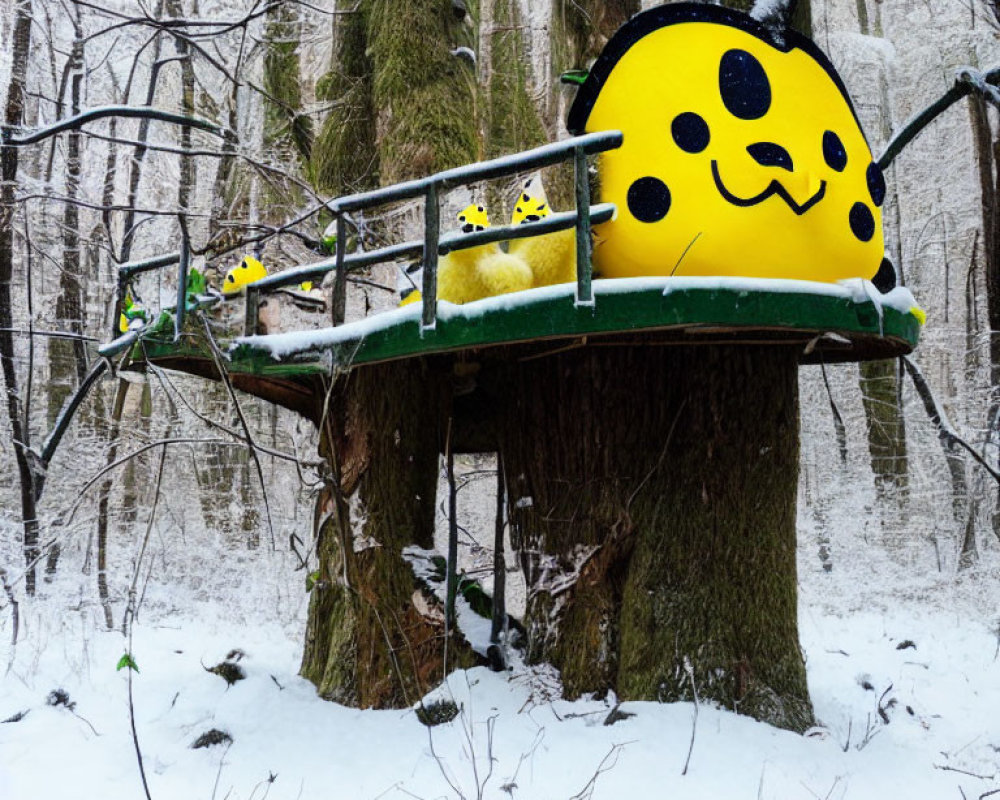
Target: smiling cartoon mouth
772, 188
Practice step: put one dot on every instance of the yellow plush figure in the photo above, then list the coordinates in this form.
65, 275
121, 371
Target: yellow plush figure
742, 153
477, 272
131, 311
552, 256
248, 271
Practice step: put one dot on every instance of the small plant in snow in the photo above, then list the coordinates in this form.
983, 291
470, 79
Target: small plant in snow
228, 669
60, 697
210, 738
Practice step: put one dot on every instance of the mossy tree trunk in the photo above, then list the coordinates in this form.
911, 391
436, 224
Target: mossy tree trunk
374, 637
423, 93
652, 496
343, 155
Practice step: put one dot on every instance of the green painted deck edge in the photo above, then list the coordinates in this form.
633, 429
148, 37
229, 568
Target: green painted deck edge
626, 311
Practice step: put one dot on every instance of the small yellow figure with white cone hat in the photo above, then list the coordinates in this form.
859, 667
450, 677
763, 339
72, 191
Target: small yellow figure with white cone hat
477, 272
551, 257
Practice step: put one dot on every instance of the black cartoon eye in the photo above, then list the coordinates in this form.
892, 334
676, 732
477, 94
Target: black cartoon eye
769, 154
743, 84
230, 278
519, 210
648, 199
862, 222
525, 198
690, 132
876, 183
834, 152
541, 207
479, 208
461, 217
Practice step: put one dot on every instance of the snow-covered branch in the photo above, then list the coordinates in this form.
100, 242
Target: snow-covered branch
126, 112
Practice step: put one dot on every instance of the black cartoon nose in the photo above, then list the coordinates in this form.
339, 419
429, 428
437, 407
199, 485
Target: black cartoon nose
769, 154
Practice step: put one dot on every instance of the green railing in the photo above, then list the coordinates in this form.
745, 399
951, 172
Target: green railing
429, 248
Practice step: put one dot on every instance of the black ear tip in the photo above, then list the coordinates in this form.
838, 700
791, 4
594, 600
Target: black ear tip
885, 278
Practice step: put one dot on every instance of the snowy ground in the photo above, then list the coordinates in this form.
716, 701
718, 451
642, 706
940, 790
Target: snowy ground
905, 681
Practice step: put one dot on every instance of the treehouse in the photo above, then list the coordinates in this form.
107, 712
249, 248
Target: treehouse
645, 417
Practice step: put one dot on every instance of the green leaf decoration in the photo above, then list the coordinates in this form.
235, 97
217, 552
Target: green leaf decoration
330, 243
196, 282
126, 661
574, 77
311, 580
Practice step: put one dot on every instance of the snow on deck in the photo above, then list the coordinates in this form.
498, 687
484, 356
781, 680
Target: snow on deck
282, 345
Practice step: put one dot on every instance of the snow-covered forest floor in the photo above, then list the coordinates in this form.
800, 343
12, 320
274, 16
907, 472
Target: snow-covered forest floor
903, 671
902, 645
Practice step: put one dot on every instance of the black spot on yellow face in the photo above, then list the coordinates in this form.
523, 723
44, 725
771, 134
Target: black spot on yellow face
885, 278
862, 222
741, 153
690, 132
876, 183
648, 199
833, 151
743, 84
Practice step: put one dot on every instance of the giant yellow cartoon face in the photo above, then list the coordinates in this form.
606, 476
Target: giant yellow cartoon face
742, 154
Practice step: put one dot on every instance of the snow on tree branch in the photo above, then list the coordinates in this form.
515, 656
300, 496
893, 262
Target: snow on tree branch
127, 112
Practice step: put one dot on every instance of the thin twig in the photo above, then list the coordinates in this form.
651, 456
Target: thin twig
838, 420
166, 383
946, 768
612, 756
694, 724
131, 719
224, 377
945, 431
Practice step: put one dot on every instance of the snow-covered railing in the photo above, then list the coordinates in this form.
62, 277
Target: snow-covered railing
432, 246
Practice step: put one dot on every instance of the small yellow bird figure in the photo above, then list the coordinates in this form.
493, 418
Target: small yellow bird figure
131, 311
248, 271
552, 256
477, 272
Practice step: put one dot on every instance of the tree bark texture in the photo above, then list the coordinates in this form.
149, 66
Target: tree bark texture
30, 484
374, 637
880, 393
68, 357
652, 494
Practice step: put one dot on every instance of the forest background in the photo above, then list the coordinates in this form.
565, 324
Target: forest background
324, 98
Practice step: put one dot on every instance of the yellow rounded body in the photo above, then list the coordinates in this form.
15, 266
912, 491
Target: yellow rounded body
740, 156
248, 271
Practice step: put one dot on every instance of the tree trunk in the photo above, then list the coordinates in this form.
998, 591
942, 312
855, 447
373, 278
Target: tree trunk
880, 390
652, 494
374, 637
30, 484
67, 357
